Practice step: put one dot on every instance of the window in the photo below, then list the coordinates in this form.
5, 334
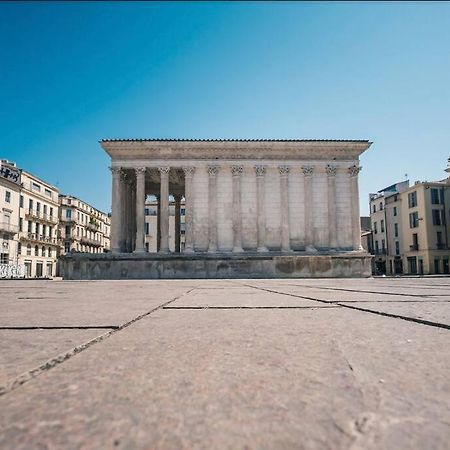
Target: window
397, 248
49, 252
382, 226
395, 229
43, 251
20, 224
45, 209
147, 228
21, 202
7, 196
29, 250
412, 199
67, 231
68, 213
38, 207
35, 187
439, 239
183, 211
374, 208
437, 264
383, 245
19, 248
50, 231
376, 247
29, 227
381, 206
375, 230
414, 220
437, 217
38, 228
30, 204
434, 196
395, 210
4, 258
48, 193
51, 212
36, 251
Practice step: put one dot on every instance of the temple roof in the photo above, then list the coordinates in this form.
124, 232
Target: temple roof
234, 140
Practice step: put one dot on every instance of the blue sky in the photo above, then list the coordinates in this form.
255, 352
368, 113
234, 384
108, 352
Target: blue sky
73, 73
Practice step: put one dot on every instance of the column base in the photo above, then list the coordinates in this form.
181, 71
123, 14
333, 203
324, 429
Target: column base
311, 249
262, 249
139, 250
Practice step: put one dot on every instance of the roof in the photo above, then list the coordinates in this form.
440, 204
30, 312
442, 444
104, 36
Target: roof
234, 140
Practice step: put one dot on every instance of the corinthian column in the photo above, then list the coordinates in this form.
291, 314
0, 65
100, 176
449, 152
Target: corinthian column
261, 207
308, 172
236, 172
212, 206
125, 239
189, 209
332, 219
164, 200
353, 171
284, 202
116, 213
140, 210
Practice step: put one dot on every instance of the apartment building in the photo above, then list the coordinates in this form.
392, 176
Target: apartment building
410, 228
39, 244
82, 228
10, 184
151, 225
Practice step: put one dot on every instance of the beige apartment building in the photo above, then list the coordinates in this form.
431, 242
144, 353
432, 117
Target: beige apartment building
39, 244
82, 227
10, 184
176, 207
410, 227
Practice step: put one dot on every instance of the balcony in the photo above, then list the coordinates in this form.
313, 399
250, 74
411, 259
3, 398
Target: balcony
93, 226
9, 228
91, 241
41, 239
439, 245
380, 251
39, 215
414, 247
67, 219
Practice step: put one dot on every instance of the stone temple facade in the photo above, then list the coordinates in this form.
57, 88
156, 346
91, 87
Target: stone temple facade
310, 188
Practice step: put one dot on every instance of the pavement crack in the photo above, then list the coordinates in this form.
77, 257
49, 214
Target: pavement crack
250, 307
69, 327
53, 362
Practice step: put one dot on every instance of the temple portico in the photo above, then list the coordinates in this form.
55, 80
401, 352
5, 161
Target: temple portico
247, 198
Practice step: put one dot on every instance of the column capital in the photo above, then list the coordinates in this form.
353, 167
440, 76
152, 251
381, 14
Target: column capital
115, 170
331, 170
236, 170
140, 170
188, 171
213, 170
284, 170
354, 170
308, 171
260, 171
164, 170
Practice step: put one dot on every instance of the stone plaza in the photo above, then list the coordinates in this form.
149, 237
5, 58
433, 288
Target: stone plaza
214, 364
310, 188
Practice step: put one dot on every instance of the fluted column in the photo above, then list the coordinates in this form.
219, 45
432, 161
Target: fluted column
189, 209
212, 207
158, 223
332, 218
236, 172
140, 210
308, 172
132, 214
124, 241
177, 198
261, 207
116, 205
284, 204
353, 172
164, 200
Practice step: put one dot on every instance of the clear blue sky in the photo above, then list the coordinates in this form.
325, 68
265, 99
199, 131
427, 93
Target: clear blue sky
73, 73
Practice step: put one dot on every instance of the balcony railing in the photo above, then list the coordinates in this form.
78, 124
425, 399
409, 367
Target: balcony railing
380, 251
67, 219
414, 247
441, 246
34, 214
91, 241
34, 237
9, 228
93, 226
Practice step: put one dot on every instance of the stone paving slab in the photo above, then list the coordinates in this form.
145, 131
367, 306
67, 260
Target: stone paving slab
325, 378
91, 304
259, 379
242, 297
23, 350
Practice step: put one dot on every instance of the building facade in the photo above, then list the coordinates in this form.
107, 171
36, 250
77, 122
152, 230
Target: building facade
10, 185
39, 244
82, 228
410, 226
257, 199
